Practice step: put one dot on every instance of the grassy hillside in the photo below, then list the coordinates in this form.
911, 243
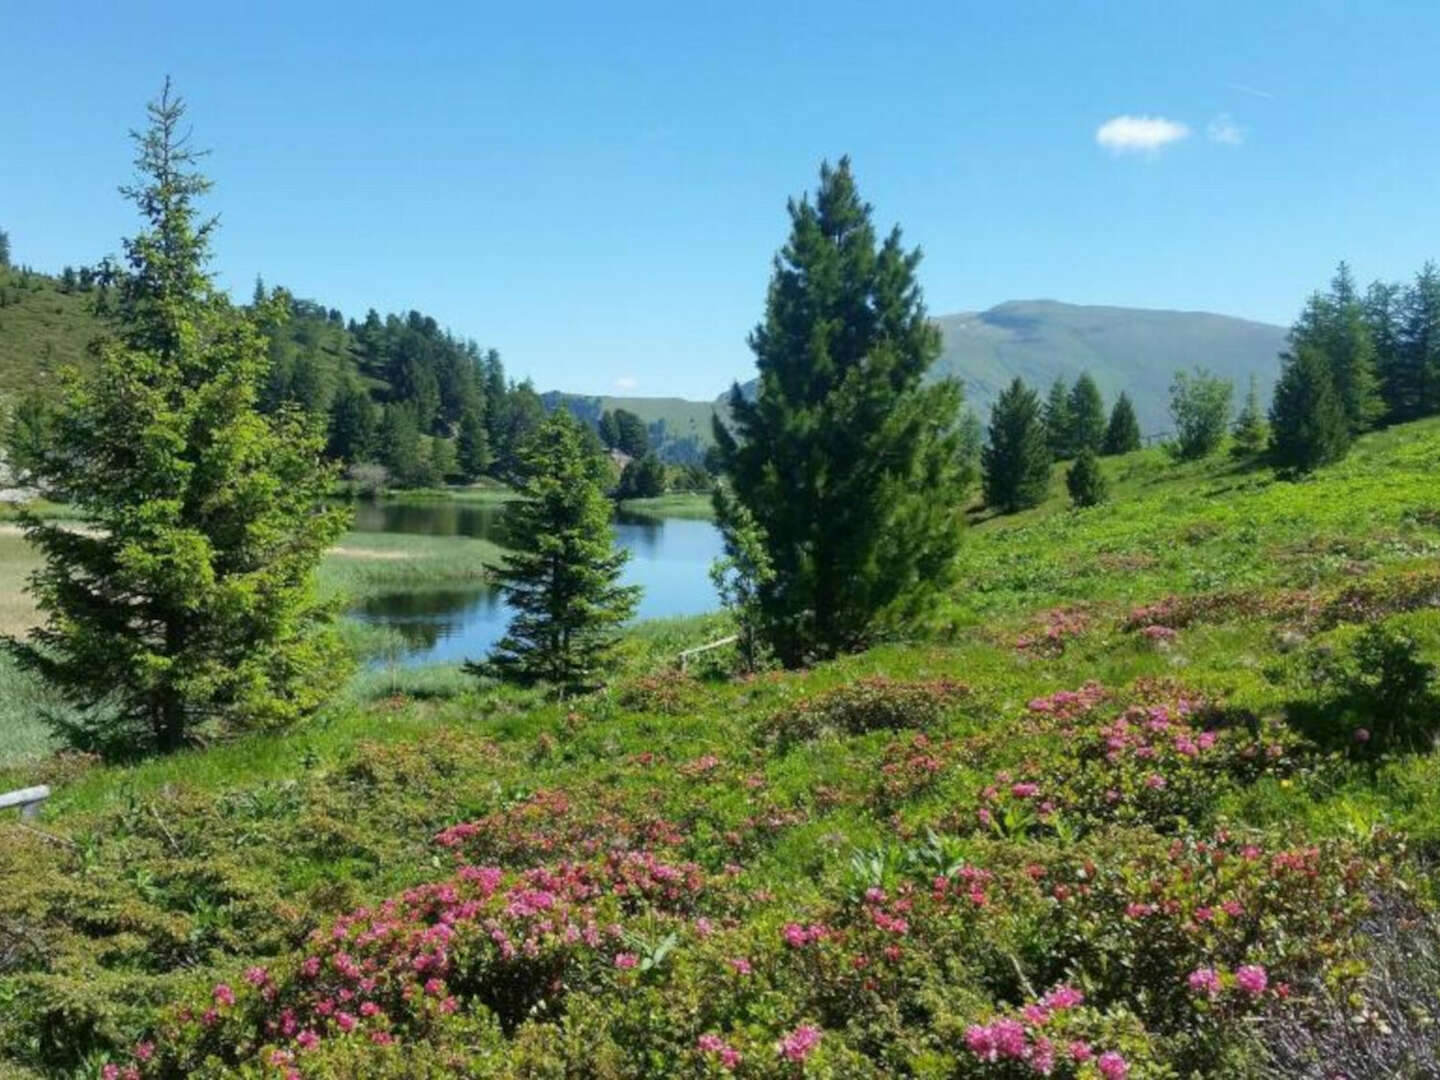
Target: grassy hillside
41, 329
1152, 801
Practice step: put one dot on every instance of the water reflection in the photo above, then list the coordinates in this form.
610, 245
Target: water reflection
670, 559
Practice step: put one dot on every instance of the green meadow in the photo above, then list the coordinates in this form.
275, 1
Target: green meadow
1233, 603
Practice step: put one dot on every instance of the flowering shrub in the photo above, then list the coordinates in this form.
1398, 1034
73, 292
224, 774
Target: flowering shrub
1055, 629
871, 704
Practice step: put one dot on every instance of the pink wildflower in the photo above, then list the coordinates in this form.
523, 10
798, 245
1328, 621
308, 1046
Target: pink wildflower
1112, 1066
1204, 981
798, 1044
223, 995
1252, 979
626, 960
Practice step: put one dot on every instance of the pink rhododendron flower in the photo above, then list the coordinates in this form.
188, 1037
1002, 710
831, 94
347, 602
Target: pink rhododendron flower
1252, 979
1204, 981
798, 1044
223, 995
626, 960
1112, 1066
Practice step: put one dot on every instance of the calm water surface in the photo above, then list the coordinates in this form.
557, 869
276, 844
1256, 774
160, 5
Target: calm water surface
669, 558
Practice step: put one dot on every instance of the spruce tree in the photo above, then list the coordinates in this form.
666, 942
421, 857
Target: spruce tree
1308, 426
1016, 459
1250, 433
1122, 434
1420, 344
1057, 420
187, 606
472, 445
353, 425
1334, 325
562, 577
1383, 317
1085, 480
847, 461
4, 250
1087, 415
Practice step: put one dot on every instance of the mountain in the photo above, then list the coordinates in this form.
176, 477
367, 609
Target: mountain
1137, 350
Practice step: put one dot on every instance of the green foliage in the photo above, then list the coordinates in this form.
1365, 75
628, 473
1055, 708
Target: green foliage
1087, 416
1200, 408
1085, 480
4, 250
187, 606
1059, 425
354, 425
642, 478
1016, 459
1334, 327
1122, 434
1307, 418
741, 575
562, 577
28, 435
1250, 431
623, 430
472, 445
1374, 695
848, 463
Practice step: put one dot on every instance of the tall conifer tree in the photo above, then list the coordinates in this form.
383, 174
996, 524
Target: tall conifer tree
1058, 422
1087, 415
187, 607
1016, 459
562, 577
1308, 426
849, 464
1122, 434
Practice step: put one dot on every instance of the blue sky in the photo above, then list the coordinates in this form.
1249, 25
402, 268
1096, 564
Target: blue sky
597, 189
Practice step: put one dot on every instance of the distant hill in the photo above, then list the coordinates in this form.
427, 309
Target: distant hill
1132, 349
679, 429
1137, 350
42, 326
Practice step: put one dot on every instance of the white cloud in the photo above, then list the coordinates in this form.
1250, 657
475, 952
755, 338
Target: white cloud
626, 382
1126, 133
1225, 131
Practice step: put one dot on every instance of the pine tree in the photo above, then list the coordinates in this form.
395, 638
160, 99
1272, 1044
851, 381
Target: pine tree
1016, 459
187, 606
1307, 420
1334, 325
1420, 344
1250, 433
562, 578
847, 461
1122, 434
353, 425
630, 434
4, 250
609, 430
1087, 415
1057, 420
443, 463
472, 445
1383, 317
642, 478
397, 445
1200, 407
1085, 480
